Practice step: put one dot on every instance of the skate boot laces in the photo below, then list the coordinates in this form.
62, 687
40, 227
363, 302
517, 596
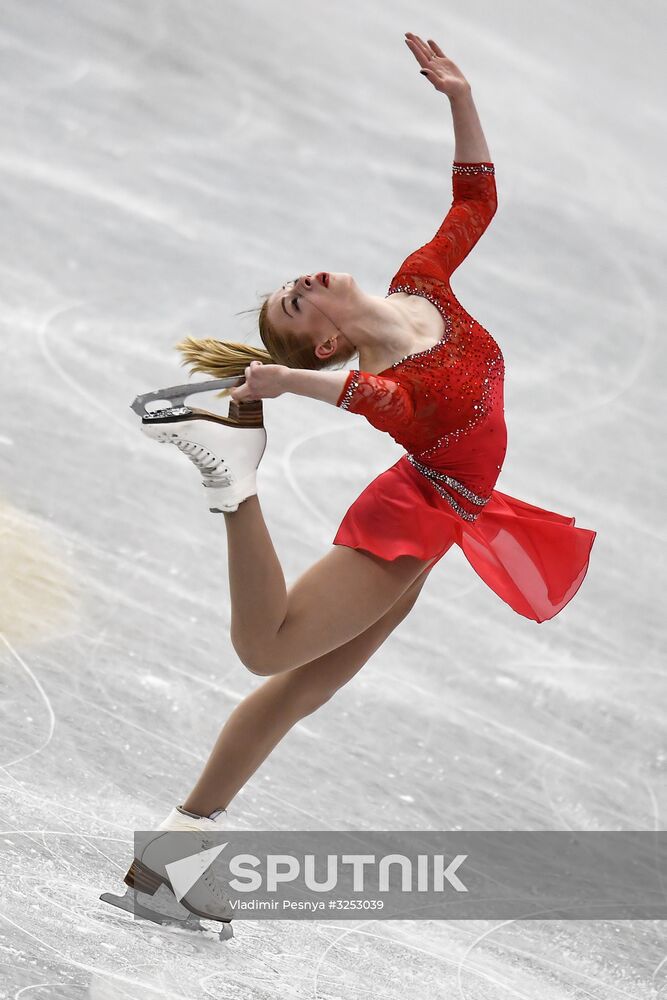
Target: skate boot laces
217, 886
213, 470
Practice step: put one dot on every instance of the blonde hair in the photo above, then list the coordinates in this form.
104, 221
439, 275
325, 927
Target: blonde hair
224, 358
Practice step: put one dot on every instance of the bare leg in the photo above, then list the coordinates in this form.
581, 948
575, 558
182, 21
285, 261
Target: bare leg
258, 724
275, 630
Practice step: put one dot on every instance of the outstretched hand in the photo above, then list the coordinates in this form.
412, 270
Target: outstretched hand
436, 67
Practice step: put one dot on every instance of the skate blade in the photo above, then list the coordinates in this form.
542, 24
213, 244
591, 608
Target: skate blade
240, 415
245, 414
183, 919
175, 395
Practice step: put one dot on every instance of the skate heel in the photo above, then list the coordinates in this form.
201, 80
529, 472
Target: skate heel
141, 879
248, 414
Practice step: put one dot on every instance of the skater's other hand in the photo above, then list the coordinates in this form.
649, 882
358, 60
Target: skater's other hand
437, 68
261, 382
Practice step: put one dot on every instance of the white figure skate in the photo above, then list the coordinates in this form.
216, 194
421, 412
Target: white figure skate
225, 450
148, 876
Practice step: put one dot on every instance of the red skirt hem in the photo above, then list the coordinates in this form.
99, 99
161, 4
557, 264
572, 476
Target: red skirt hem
534, 559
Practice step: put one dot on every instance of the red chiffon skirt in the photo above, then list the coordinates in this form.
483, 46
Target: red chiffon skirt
533, 559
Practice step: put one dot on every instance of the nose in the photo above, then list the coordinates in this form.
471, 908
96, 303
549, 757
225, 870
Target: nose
309, 280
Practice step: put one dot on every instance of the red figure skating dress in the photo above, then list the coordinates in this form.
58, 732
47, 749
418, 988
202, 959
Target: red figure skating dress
445, 406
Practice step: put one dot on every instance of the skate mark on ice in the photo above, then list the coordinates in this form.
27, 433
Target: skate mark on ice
116, 977
518, 735
292, 479
45, 698
66, 833
54, 804
569, 971
83, 187
656, 826
154, 573
387, 941
600, 781
280, 800
646, 321
65, 376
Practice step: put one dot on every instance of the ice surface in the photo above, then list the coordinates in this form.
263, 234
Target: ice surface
163, 165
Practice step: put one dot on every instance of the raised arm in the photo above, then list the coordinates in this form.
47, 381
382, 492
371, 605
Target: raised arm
470, 145
447, 78
474, 199
473, 206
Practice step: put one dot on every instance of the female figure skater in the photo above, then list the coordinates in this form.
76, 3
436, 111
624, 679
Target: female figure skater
431, 377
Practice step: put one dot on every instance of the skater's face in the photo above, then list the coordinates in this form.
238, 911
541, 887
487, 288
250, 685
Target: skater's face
312, 305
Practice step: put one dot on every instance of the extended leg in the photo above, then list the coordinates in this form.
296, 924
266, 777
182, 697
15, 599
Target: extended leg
264, 717
273, 629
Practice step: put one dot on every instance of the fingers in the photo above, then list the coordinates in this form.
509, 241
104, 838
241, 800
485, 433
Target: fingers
243, 393
421, 52
421, 49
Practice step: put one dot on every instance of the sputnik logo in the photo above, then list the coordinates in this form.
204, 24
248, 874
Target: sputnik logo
184, 873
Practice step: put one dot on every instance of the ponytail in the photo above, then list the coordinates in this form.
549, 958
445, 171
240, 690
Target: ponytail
220, 358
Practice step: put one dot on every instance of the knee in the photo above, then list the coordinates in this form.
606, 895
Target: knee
260, 662
300, 695
251, 658
258, 669
258, 665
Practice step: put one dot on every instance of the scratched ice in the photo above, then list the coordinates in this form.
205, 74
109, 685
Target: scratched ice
163, 165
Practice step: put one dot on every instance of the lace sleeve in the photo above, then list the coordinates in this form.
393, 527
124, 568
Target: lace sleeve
385, 403
473, 206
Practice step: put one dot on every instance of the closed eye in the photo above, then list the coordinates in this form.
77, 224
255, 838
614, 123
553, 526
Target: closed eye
293, 301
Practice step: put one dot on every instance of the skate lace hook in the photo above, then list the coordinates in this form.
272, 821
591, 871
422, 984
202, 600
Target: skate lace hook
210, 877
213, 470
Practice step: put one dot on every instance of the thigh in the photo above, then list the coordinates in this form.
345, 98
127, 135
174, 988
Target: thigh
314, 683
339, 597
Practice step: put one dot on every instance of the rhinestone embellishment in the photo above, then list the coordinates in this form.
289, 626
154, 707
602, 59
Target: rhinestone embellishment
436, 477
450, 499
481, 409
473, 168
454, 483
169, 411
354, 382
